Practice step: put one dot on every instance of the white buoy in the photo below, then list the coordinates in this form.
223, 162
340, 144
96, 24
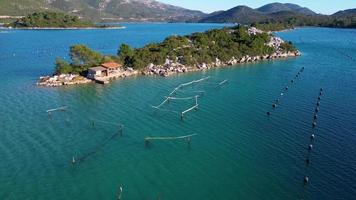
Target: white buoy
73, 160
120, 193
312, 136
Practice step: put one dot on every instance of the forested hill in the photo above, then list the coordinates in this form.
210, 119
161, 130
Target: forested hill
50, 20
282, 16
96, 10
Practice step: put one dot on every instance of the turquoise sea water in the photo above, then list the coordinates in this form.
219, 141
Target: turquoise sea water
239, 152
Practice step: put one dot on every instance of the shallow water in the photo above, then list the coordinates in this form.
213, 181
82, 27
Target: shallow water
239, 152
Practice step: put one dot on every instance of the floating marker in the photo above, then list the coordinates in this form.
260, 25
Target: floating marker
318, 103
277, 100
306, 180
316, 109
73, 160
312, 136
274, 105
310, 147
287, 88
268, 113
292, 81
315, 116
119, 193
319, 98
307, 160
321, 89
314, 124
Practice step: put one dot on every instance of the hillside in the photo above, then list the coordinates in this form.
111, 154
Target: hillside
278, 7
241, 14
269, 12
116, 10
346, 13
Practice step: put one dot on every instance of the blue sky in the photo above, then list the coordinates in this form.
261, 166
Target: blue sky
319, 6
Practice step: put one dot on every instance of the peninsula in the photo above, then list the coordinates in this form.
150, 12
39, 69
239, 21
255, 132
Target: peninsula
53, 20
176, 54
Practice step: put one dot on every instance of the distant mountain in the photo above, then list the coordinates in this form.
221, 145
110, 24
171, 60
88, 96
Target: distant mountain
241, 14
345, 13
117, 10
279, 7
269, 12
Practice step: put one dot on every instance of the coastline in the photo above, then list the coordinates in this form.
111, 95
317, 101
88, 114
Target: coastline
70, 79
62, 28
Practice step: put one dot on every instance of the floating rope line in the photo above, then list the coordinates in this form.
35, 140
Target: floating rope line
181, 98
191, 108
183, 89
62, 108
93, 121
166, 110
96, 149
224, 82
102, 145
310, 147
188, 137
285, 90
187, 84
344, 54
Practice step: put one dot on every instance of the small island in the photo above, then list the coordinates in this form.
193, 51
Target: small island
53, 20
176, 54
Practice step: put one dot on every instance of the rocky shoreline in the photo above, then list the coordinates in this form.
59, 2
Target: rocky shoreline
173, 67
176, 66
170, 68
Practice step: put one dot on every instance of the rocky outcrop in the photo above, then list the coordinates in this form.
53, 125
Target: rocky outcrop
63, 79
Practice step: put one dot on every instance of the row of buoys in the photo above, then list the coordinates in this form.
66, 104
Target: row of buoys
284, 90
344, 54
312, 136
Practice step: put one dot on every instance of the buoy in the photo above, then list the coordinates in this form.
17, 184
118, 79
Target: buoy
318, 103
282, 94
306, 180
315, 116
287, 88
307, 161
321, 89
73, 160
268, 113
292, 81
314, 124
321, 93
119, 193
274, 105
319, 98
310, 147
316, 109
312, 136
277, 100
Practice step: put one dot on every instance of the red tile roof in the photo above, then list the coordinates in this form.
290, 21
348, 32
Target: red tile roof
111, 65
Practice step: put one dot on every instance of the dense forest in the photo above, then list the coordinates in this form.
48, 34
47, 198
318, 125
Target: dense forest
188, 50
50, 19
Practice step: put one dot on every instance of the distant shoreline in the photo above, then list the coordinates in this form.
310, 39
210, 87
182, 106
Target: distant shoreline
62, 28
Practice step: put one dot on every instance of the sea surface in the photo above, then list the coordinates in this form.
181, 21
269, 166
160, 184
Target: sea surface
238, 153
